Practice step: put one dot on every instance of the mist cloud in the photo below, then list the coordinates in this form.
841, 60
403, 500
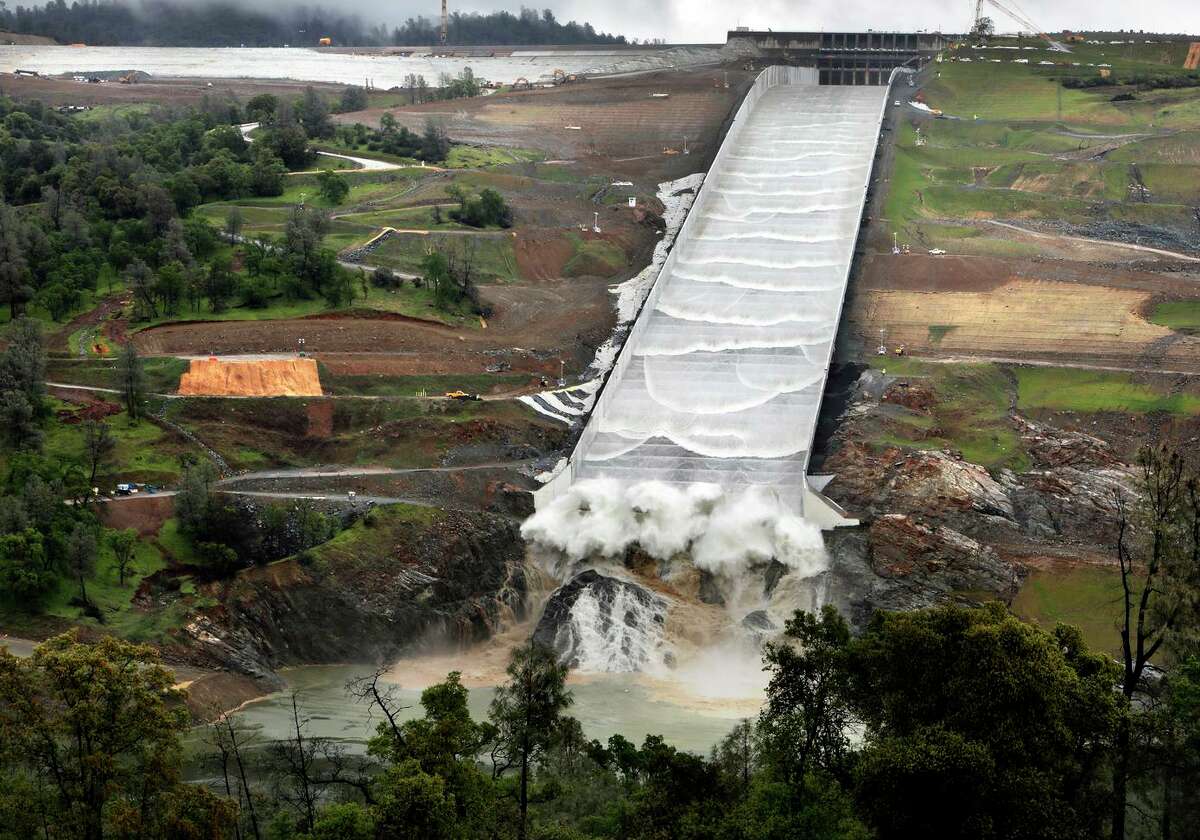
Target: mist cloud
704, 21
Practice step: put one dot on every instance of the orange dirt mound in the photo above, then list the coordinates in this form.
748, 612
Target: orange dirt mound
266, 378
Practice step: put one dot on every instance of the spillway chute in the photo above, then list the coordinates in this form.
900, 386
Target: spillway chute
720, 380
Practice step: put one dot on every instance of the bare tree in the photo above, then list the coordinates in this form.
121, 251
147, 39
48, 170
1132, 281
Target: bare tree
230, 739
98, 444
304, 767
1158, 549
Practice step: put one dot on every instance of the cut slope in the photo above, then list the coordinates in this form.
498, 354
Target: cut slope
265, 378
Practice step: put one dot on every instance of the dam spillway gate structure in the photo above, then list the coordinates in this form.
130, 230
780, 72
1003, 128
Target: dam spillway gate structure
721, 378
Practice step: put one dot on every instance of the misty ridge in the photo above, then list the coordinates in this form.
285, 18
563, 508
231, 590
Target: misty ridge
163, 23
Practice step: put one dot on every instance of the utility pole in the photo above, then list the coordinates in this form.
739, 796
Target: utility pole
445, 22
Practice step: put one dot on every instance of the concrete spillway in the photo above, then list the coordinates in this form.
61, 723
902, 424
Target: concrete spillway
721, 378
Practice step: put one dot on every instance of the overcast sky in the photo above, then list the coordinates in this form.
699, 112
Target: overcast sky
707, 20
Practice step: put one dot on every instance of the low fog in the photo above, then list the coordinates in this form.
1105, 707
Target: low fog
695, 21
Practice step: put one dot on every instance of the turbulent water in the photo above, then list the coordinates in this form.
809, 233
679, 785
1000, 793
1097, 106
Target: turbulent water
384, 71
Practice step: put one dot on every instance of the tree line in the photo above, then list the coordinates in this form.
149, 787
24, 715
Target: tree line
169, 23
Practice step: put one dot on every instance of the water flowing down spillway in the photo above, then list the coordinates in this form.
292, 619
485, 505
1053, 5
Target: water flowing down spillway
697, 447
720, 381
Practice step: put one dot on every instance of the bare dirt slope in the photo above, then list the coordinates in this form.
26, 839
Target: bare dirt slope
261, 378
618, 122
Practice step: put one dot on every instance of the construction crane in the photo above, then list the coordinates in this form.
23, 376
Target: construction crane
980, 24
445, 21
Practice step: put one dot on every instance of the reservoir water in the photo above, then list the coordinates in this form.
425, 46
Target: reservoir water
304, 64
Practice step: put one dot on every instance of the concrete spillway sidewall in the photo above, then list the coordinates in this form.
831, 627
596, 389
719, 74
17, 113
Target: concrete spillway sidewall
887, 93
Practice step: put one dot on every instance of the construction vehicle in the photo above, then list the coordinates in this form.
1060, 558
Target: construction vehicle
325, 42
461, 395
522, 84
129, 78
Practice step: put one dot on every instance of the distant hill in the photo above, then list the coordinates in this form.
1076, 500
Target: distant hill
175, 23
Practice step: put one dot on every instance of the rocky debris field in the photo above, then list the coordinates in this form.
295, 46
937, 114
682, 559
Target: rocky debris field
939, 527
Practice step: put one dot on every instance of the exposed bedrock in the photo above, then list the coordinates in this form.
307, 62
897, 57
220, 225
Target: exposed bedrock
430, 578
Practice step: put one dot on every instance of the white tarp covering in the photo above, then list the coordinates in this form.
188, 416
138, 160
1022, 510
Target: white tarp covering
720, 381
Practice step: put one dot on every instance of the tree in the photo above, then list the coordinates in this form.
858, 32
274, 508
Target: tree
23, 361
456, 192
261, 108
267, 172
1158, 549
233, 223
123, 544
435, 144
976, 724
443, 745
354, 98
527, 712
194, 499
807, 716
81, 557
334, 188
313, 114
98, 445
436, 272
91, 745
26, 572
15, 289
131, 381
23, 385
141, 282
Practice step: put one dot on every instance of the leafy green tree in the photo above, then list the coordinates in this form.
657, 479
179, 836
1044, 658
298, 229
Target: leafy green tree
979, 725
527, 713
141, 282
436, 273
334, 188
194, 499
26, 572
414, 805
90, 745
289, 143
493, 210
313, 114
131, 381
19, 421
267, 172
354, 98
435, 144
15, 288
81, 557
124, 545
261, 108
443, 745
807, 717
23, 362
343, 821
220, 284
58, 299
